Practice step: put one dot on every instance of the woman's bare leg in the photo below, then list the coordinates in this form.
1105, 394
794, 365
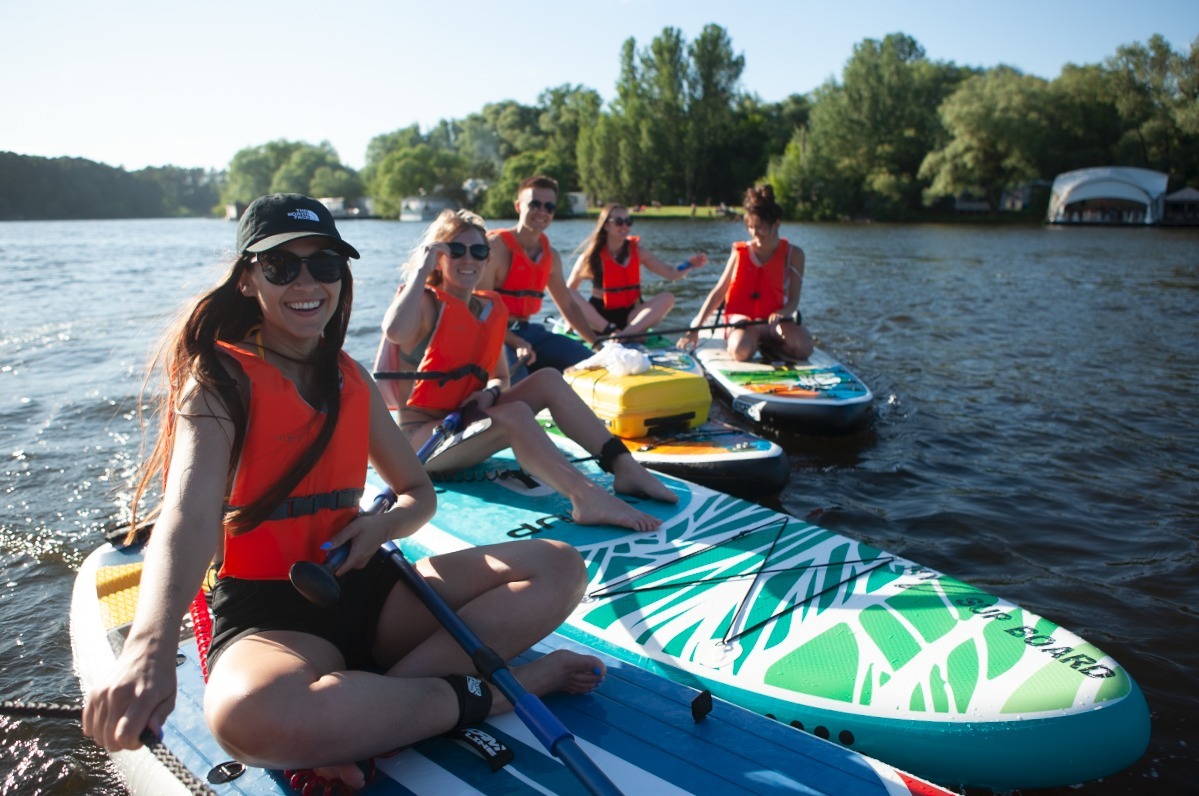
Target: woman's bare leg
281, 699
647, 314
578, 422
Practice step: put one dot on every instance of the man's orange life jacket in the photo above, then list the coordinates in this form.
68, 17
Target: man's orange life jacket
524, 287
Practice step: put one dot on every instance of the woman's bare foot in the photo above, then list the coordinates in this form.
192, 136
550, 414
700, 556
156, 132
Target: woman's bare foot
630, 478
349, 773
594, 506
561, 670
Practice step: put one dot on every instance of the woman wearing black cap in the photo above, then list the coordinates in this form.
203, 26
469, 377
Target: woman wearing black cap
266, 430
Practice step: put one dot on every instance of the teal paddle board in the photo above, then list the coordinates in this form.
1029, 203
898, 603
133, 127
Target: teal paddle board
822, 632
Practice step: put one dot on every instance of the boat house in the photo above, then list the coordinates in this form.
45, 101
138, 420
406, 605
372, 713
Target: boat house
1107, 195
1182, 208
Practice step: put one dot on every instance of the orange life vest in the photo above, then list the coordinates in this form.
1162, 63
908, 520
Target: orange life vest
279, 427
463, 347
524, 287
621, 284
756, 291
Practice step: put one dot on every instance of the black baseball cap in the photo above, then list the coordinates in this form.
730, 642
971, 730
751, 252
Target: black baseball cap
275, 219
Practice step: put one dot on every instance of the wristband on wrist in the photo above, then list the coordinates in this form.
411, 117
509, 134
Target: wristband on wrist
495, 393
683, 266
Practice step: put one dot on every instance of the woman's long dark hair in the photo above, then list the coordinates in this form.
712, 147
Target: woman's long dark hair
597, 242
191, 363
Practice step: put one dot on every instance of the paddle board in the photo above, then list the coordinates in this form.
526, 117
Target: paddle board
638, 727
717, 455
823, 632
662, 417
818, 393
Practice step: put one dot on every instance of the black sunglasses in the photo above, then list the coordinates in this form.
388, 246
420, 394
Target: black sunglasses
537, 204
281, 267
622, 222
478, 251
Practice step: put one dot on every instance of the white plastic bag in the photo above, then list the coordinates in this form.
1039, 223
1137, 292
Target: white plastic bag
617, 359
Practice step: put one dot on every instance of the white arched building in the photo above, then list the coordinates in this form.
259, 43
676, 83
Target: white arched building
1107, 195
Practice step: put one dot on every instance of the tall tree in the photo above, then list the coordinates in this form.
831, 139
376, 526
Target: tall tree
1156, 90
868, 135
1000, 125
712, 120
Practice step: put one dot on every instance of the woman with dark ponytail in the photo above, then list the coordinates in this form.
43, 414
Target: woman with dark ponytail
760, 287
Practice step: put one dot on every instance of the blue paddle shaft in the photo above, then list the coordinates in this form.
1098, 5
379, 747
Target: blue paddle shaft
528, 707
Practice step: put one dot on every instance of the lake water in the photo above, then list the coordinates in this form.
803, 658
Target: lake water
1035, 434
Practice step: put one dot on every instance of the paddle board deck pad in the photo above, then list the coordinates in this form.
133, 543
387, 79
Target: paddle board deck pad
818, 393
638, 727
717, 455
837, 637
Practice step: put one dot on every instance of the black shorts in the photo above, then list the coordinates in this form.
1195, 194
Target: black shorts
241, 607
618, 317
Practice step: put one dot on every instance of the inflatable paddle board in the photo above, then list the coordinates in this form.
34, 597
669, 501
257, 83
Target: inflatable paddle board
818, 393
639, 728
662, 417
831, 635
717, 455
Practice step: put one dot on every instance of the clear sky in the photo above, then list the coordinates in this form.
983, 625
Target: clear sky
138, 83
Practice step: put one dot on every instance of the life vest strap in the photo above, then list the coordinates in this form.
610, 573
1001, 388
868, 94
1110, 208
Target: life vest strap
311, 504
521, 293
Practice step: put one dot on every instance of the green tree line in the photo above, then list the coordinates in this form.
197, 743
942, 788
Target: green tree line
894, 137
60, 188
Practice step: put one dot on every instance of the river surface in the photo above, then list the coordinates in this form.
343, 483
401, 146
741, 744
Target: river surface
1036, 431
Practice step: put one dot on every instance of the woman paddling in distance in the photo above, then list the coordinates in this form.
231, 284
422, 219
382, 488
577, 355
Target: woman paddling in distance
760, 287
611, 260
439, 324
267, 427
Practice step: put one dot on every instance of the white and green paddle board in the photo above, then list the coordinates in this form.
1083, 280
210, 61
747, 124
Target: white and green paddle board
831, 635
818, 393
638, 727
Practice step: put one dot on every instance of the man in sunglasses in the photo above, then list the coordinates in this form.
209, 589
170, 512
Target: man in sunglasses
523, 267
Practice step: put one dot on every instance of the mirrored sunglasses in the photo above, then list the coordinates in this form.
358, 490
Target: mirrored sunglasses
478, 251
281, 267
537, 204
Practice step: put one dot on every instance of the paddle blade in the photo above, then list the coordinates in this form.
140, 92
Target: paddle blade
316, 583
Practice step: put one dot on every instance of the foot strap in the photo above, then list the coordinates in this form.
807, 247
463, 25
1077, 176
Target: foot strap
607, 454
474, 699
492, 750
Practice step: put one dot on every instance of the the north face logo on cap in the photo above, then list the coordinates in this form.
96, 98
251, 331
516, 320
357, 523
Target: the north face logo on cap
303, 214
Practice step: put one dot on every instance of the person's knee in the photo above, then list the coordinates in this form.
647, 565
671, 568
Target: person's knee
566, 566
259, 729
513, 416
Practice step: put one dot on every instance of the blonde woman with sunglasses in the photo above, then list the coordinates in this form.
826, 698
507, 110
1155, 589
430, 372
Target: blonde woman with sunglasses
611, 260
444, 338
